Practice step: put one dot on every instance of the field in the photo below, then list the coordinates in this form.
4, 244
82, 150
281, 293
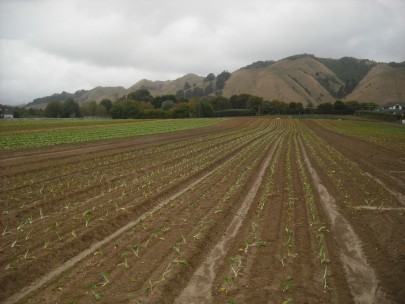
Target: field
246, 210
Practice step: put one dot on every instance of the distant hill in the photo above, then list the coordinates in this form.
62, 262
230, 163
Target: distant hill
301, 78
383, 83
169, 86
82, 96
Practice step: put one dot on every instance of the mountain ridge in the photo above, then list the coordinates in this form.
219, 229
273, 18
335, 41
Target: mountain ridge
301, 78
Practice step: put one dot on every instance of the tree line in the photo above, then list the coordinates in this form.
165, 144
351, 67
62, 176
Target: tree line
141, 104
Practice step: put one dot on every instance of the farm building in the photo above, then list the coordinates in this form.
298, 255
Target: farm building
393, 107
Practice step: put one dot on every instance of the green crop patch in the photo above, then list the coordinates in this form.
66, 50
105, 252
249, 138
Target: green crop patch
22, 134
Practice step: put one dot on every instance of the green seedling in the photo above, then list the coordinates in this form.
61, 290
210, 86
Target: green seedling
135, 249
87, 217
41, 214
281, 257
104, 276
22, 224
125, 263
46, 244
15, 243
5, 231
287, 284
98, 296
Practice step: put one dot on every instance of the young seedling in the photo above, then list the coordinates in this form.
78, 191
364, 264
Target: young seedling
281, 257
41, 214
5, 231
104, 276
87, 217
135, 249
151, 285
96, 295
22, 224
125, 263
46, 244
180, 261
15, 243
287, 284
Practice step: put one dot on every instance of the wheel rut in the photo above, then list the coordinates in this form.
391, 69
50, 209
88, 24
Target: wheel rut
198, 290
360, 275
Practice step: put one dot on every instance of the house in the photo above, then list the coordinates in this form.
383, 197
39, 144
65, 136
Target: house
393, 107
8, 116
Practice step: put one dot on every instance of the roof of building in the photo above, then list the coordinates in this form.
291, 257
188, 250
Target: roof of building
393, 103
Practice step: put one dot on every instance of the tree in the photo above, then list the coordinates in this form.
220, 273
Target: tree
221, 79
187, 86
93, 109
167, 105
295, 108
276, 107
107, 104
210, 77
53, 109
201, 108
324, 108
239, 101
340, 107
209, 89
125, 109
220, 103
310, 108
182, 110
254, 103
140, 95
158, 100
89, 108
70, 108
180, 94
198, 92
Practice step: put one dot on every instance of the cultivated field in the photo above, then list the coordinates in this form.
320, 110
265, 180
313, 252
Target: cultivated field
247, 210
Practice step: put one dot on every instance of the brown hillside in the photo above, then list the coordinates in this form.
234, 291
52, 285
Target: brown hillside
99, 93
382, 84
157, 88
296, 80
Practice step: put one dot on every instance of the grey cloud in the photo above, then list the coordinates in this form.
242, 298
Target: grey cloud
83, 42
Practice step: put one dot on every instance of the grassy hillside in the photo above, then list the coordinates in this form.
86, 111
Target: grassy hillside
300, 79
382, 84
348, 69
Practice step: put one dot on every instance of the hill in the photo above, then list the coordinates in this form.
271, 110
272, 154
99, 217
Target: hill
382, 84
301, 78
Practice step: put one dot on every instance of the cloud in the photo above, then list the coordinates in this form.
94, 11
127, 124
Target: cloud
49, 46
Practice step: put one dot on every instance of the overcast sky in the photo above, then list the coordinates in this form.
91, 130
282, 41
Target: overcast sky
66, 45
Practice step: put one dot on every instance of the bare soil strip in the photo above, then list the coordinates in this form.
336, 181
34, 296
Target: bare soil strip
199, 287
398, 195
360, 276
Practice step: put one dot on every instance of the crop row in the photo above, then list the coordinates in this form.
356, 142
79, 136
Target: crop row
382, 134
300, 217
11, 140
355, 187
122, 204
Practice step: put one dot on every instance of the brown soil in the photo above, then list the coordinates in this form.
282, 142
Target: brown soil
133, 220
